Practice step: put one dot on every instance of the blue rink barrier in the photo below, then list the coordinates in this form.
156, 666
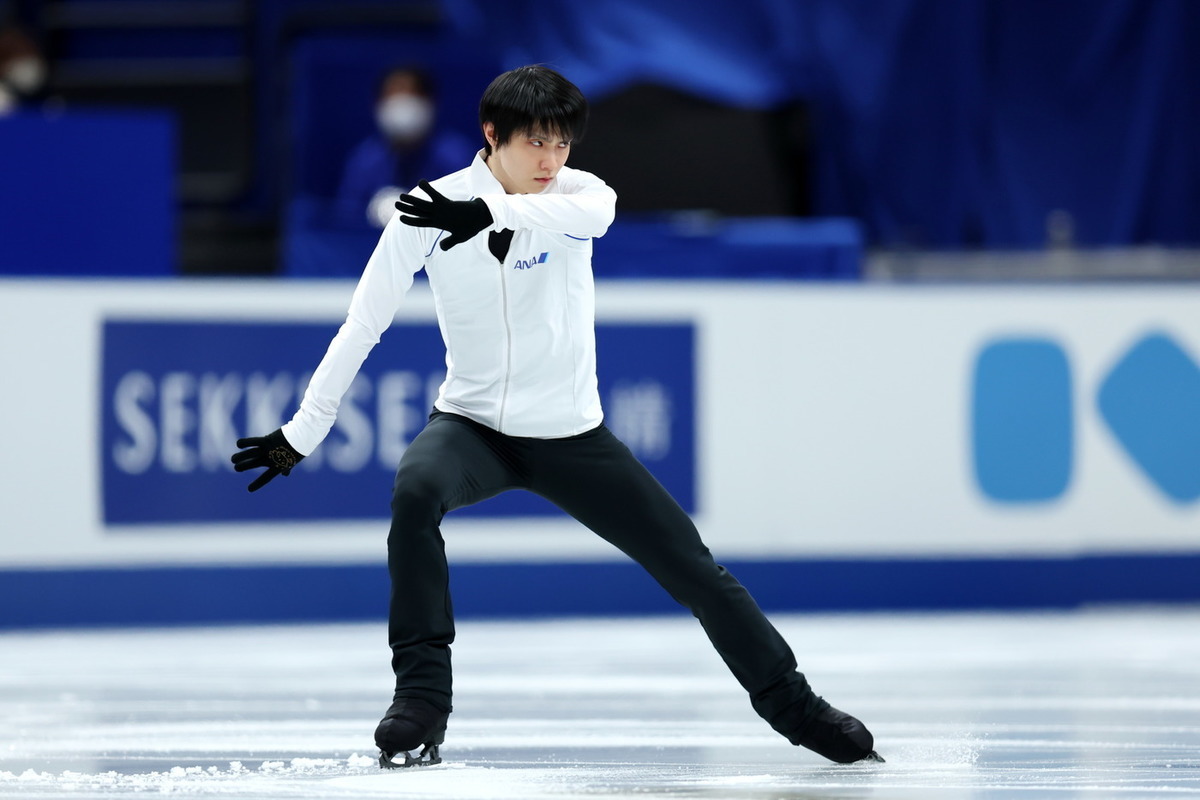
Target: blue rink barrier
290, 594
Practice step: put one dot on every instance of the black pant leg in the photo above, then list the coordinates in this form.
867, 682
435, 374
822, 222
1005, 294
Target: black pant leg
452, 463
597, 480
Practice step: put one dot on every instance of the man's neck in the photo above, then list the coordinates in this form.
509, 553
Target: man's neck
491, 165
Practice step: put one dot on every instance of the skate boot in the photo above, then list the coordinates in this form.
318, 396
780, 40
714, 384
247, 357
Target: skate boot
837, 736
411, 723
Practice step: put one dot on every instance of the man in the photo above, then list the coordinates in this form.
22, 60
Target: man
520, 409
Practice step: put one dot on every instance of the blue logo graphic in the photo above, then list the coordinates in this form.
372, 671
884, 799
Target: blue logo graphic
1022, 421
1022, 427
530, 263
175, 397
1151, 403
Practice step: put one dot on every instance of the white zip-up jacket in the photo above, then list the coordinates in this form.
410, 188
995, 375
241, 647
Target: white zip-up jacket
520, 335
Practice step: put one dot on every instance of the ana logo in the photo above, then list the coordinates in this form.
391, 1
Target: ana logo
529, 263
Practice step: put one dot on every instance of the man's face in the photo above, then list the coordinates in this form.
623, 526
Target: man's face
529, 161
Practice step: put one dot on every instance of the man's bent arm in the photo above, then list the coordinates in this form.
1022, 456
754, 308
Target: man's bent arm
584, 206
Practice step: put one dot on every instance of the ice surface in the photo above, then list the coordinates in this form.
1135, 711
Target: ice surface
1094, 704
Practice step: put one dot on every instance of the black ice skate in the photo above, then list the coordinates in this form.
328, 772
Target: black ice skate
837, 736
411, 723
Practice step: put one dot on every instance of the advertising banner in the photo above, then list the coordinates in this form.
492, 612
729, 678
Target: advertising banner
176, 395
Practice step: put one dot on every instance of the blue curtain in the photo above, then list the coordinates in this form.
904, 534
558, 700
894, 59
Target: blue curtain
938, 123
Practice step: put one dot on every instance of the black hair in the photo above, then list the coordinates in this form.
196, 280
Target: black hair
532, 97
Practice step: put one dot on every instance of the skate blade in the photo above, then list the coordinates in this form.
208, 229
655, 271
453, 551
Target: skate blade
428, 756
873, 756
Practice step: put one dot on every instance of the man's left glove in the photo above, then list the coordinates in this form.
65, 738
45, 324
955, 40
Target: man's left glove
462, 219
271, 451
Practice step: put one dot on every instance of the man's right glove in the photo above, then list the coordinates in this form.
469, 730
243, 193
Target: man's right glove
462, 219
271, 451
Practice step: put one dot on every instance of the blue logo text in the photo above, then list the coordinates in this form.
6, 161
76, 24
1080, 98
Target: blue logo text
529, 263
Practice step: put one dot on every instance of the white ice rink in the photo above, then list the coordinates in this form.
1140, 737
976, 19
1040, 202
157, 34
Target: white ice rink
1095, 704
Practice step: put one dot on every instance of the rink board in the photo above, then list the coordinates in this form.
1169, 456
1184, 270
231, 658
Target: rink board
841, 446
219, 595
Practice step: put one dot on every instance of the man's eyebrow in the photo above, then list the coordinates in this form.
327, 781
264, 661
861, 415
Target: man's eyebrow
548, 136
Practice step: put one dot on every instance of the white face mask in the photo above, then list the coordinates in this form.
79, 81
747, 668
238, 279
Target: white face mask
404, 116
26, 75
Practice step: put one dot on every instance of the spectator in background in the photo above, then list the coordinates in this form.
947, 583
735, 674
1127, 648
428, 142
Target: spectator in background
22, 70
406, 147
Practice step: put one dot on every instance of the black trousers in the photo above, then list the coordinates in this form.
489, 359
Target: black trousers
455, 462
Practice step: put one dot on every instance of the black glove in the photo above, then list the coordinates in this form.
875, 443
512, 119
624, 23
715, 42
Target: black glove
271, 451
462, 219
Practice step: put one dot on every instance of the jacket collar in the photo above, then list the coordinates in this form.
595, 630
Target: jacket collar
481, 180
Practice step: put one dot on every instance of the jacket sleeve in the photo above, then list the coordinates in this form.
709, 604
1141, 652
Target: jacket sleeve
388, 276
580, 205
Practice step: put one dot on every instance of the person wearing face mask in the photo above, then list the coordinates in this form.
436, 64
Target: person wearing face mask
406, 146
22, 71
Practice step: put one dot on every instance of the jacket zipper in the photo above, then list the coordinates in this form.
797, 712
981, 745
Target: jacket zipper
507, 344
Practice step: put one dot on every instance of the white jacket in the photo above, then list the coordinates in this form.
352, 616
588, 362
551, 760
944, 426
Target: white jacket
520, 336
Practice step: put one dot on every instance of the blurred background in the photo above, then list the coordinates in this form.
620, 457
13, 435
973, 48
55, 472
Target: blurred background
934, 125
900, 293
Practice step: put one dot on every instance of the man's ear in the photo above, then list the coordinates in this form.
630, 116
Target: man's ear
489, 133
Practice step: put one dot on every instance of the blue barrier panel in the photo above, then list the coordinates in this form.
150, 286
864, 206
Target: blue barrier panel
88, 193
312, 593
684, 245
688, 245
